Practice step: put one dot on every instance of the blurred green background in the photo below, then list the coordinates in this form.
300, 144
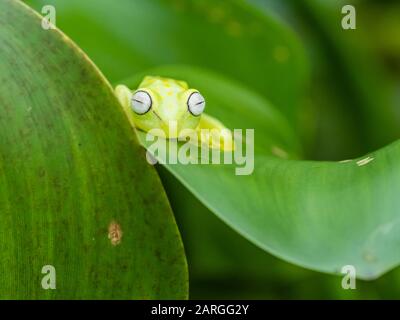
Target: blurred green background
339, 89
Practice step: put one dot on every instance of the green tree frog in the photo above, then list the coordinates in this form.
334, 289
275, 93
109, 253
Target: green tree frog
170, 105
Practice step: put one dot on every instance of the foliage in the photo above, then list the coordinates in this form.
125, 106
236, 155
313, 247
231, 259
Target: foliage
75, 190
331, 101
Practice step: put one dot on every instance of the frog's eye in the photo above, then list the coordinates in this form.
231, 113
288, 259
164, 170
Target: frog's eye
196, 103
141, 102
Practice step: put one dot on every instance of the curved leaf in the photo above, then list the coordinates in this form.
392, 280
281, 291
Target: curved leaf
320, 215
75, 189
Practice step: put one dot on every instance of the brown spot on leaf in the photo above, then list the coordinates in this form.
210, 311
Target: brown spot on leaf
114, 233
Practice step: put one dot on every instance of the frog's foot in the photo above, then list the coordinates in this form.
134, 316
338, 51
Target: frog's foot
123, 94
214, 134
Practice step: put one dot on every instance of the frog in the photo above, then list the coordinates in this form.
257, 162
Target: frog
172, 107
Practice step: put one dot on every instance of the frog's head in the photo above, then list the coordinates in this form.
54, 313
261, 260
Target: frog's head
166, 104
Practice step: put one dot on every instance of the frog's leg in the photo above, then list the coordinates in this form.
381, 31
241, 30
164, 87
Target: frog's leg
124, 95
214, 134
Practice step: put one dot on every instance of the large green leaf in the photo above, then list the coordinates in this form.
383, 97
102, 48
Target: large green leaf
224, 265
320, 215
73, 178
128, 36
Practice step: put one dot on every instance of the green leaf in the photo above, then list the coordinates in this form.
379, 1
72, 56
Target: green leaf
231, 37
320, 215
75, 189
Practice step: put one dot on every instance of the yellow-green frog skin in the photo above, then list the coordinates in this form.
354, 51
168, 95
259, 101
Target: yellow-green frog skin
170, 105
